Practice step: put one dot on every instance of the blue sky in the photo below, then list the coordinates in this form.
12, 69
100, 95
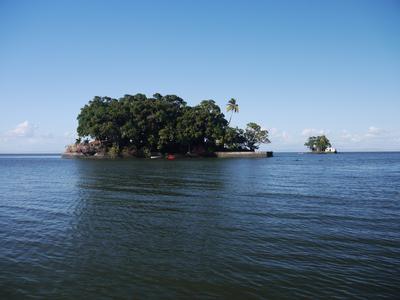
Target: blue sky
296, 67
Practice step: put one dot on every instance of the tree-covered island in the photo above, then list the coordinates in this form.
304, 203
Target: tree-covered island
319, 144
137, 126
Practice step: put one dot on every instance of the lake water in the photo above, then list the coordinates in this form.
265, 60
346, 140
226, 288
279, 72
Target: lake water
288, 227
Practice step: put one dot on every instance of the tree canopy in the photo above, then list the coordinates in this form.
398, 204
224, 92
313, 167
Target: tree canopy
255, 136
164, 124
318, 143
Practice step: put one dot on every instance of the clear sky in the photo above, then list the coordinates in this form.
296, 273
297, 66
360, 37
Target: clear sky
296, 67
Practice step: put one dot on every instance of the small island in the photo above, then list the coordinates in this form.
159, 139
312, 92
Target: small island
162, 126
320, 145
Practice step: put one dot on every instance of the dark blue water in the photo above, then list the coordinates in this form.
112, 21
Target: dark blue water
288, 227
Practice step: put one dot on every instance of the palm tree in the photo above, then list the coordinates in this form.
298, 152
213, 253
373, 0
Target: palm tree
232, 107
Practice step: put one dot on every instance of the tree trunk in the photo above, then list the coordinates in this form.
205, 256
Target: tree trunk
230, 118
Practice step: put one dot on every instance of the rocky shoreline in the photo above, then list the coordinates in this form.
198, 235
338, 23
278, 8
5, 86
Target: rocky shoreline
233, 154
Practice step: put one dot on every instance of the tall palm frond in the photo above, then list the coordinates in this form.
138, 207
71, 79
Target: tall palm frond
232, 107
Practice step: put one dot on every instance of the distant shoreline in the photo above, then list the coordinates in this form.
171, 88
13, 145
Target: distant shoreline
275, 152
226, 154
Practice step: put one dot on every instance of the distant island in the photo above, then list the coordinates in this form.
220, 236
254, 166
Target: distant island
320, 145
138, 126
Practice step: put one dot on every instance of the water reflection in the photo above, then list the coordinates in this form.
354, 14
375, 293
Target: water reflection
142, 222
289, 227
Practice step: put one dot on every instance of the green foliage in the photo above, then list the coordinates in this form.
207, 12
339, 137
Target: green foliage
318, 143
232, 107
234, 139
113, 152
255, 136
144, 152
162, 123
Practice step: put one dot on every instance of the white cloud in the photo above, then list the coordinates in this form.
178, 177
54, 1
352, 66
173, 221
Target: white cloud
24, 129
374, 132
313, 131
350, 137
371, 134
372, 138
28, 138
285, 136
28, 132
280, 135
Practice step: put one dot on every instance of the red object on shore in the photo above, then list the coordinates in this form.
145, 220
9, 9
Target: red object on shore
170, 157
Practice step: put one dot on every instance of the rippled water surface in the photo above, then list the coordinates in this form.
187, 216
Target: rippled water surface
288, 227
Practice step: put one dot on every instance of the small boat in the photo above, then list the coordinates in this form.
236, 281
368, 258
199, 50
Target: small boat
171, 157
155, 156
